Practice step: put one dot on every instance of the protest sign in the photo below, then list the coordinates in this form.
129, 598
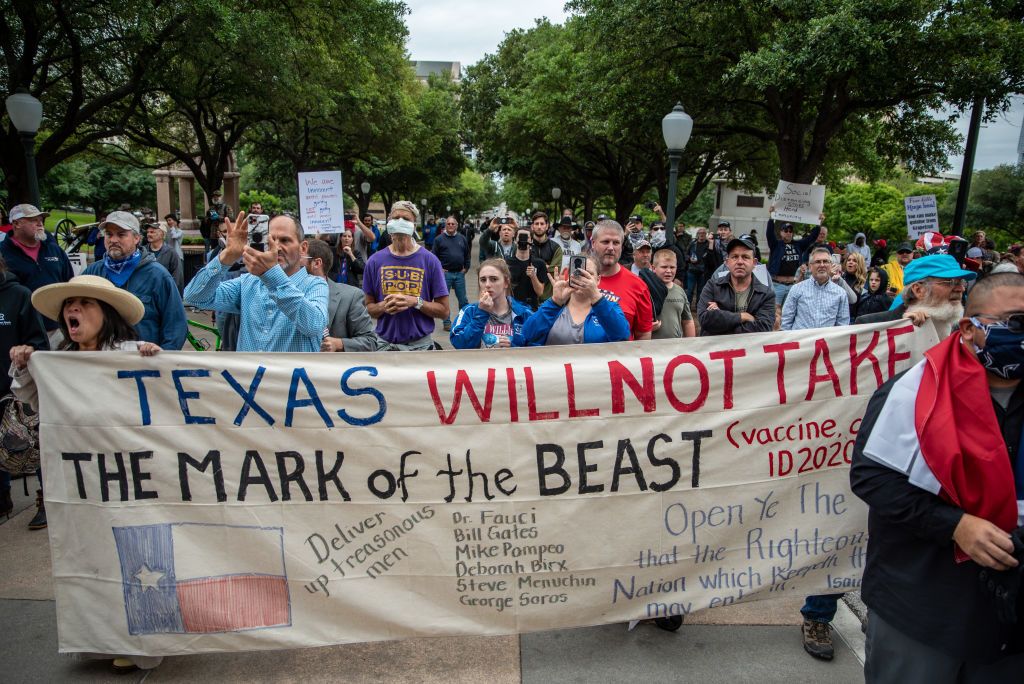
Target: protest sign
922, 215
227, 502
798, 203
321, 203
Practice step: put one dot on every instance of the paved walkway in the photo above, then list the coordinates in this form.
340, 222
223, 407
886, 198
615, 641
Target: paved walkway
752, 642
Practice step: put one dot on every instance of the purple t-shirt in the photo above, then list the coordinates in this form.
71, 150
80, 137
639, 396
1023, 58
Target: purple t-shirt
420, 275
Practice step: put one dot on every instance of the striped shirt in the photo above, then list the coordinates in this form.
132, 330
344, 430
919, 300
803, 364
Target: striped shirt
810, 305
279, 313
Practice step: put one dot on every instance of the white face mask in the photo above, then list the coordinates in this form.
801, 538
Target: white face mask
401, 226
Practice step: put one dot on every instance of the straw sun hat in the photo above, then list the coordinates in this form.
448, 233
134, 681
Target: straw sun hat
49, 300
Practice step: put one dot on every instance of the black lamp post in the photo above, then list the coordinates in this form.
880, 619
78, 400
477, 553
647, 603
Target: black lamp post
26, 114
555, 194
676, 128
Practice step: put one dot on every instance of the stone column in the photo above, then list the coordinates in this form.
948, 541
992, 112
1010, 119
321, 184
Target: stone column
164, 193
231, 192
186, 202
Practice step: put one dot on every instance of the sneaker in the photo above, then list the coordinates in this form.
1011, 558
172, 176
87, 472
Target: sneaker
39, 521
447, 326
123, 666
818, 639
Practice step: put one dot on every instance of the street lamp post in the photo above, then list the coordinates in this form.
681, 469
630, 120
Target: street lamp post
555, 194
26, 114
676, 128
365, 187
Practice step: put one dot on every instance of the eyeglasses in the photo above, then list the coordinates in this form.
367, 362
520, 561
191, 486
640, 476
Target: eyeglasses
1014, 322
951, 282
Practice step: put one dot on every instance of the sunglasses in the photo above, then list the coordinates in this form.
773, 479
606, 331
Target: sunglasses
1014, 322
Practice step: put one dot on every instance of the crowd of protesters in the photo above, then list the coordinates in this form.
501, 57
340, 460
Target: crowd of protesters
554, 282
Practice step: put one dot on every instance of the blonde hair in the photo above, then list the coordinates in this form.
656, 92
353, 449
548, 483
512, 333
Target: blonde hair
860, 274
666, 254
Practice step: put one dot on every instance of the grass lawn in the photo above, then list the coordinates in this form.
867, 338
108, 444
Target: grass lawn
59, 215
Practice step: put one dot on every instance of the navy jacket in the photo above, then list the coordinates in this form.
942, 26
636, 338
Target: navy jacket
53, 267
775, 246
452, 251
164, 323
19, 324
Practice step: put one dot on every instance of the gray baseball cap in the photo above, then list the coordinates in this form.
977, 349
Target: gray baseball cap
21, 211
122, 219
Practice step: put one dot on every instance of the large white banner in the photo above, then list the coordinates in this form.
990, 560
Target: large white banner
209, 502
798, 202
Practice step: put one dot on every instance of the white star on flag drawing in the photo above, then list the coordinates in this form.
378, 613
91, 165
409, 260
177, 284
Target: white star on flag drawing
149, 579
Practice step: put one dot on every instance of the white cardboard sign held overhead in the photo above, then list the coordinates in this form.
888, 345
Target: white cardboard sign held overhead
321, 204
922, 215
798, 203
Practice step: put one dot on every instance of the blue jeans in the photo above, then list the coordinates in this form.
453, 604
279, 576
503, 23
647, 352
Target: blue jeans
821, 608
457, 281
781, 292
693, 280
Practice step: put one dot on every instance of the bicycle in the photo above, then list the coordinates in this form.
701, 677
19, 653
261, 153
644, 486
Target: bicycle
201, 343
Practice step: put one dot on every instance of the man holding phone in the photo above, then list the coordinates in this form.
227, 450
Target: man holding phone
283, 307
529, 272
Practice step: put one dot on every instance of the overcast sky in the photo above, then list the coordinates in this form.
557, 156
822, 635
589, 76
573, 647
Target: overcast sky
458, 30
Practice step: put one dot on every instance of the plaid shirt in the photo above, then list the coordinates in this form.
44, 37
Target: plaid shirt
279, 313
810, 305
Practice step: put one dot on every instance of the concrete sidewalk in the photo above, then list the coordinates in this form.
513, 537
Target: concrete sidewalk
752, 642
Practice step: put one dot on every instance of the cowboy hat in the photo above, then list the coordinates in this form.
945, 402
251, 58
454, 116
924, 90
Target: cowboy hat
49, 300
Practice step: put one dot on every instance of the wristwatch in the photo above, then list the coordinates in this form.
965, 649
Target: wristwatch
419, 303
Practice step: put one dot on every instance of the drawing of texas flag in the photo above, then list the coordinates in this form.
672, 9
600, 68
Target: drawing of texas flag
182, 578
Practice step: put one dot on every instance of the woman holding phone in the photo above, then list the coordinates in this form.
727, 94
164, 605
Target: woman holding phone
577, 312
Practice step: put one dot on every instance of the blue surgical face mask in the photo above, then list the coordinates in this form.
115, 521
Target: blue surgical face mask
1003, 354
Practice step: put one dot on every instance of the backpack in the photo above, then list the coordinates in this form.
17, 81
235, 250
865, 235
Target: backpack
19, 437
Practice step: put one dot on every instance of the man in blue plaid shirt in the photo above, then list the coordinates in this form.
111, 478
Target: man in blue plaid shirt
283, 308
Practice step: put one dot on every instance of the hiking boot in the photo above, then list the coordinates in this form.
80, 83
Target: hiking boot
39, 521
818, 639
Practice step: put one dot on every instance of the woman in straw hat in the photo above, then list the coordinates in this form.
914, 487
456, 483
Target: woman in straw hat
94, 315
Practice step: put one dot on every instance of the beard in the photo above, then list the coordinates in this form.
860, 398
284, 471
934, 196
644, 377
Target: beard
945, 315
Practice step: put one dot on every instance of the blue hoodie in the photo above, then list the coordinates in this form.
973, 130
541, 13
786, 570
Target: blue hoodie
469, 326
164, 322
604, 323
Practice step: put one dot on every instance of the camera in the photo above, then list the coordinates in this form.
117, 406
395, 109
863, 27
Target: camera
256, 240
258, 223
523, 240
504, 221
650, 204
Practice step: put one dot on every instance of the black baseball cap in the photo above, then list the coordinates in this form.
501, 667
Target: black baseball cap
724, 223
786, 226
636, 217
905, 247
741, 241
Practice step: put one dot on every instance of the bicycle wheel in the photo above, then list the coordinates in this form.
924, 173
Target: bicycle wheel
65, 233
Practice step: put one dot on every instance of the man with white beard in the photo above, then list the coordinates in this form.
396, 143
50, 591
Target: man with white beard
933, 288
